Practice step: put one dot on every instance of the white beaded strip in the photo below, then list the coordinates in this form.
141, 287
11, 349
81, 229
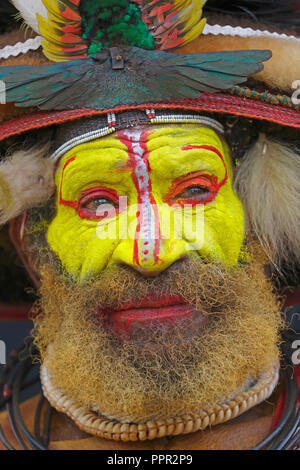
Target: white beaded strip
188, 118
81, 140
150, 113
102, 427
217, 30
111, 119
21, 48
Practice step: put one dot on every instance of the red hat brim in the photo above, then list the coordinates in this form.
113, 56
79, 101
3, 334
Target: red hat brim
210, 102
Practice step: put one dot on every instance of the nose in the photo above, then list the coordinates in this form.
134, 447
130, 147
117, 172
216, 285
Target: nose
148, 259
154, 245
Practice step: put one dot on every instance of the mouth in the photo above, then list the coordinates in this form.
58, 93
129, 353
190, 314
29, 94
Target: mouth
166, 309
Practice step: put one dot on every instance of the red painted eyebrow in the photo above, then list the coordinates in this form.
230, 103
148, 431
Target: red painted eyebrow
212, 149
61, 200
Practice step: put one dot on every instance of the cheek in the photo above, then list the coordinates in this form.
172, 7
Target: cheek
224, 227
77, 245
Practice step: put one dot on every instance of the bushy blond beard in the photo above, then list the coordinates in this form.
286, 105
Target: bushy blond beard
160, 371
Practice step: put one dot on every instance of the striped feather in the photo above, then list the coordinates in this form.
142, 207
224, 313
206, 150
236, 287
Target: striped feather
175, 22
61, 31
172, 23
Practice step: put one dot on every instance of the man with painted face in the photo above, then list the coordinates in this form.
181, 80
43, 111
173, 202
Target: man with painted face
148, 224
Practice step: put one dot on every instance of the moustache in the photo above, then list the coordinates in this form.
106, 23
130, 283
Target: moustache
205, 285
125, 302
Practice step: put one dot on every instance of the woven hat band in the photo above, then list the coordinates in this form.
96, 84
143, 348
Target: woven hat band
79, 132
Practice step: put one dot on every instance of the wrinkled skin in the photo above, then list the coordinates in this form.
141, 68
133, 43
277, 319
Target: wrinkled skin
174, 170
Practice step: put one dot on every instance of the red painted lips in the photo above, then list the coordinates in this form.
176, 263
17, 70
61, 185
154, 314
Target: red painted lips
167, 309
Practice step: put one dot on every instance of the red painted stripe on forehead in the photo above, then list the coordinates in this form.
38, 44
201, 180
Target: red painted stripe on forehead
143, 143
61, 200
129, 142
137, 154
126, 141
212, 149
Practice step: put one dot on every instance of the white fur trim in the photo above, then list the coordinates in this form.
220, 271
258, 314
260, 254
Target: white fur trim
217, 30
29, 9
268, 183
26, 180
21, 48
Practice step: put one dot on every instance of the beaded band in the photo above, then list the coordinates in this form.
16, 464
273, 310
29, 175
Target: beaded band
91, 423
81, 140
114, 123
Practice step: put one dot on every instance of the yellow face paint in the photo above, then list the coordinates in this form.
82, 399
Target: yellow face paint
136, 197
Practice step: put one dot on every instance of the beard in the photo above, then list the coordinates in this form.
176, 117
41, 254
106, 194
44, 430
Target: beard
158, 370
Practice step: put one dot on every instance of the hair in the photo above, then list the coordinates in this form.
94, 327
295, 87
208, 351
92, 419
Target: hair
26, 180
268, 183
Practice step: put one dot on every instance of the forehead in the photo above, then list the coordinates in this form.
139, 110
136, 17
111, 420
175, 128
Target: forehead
165, 147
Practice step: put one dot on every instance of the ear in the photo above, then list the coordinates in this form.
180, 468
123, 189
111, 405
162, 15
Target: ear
16, 232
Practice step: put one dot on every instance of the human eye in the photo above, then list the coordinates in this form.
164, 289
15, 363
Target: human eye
194, 188
196, 193
98, 203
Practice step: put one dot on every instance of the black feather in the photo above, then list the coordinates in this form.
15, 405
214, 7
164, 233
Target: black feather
7, 16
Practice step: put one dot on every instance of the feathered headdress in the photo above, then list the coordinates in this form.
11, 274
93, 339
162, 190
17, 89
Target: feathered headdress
104, 54
112, 52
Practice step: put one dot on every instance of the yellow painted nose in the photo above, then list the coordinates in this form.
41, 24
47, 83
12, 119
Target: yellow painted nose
156, 243
170, 251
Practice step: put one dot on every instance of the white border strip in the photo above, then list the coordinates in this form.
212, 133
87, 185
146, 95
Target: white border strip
21, 48
217, 30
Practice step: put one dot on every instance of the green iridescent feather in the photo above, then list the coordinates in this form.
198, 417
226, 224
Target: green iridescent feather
106, 23
145, 76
